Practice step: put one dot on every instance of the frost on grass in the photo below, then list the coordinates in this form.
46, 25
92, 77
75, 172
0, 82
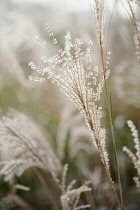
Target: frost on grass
135, 157
26, 146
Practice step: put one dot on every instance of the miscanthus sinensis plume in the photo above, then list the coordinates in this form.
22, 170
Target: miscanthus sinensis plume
131, 6
135, 157
70, 196
23, 145
73, 71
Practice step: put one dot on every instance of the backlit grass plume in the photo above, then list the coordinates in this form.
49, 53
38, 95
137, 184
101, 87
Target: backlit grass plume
24, 147
72, 70
135, 157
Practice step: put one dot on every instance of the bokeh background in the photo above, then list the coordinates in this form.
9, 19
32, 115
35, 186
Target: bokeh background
65, 129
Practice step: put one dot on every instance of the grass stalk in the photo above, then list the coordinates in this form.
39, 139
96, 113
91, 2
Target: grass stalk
112, 128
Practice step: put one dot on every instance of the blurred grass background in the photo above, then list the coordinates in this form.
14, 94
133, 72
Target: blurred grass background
19, 21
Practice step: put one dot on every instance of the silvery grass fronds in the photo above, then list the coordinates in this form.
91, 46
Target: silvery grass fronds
98, 11
25, 145
98, 15
70, 196
136, 24
134, 157
72, 70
